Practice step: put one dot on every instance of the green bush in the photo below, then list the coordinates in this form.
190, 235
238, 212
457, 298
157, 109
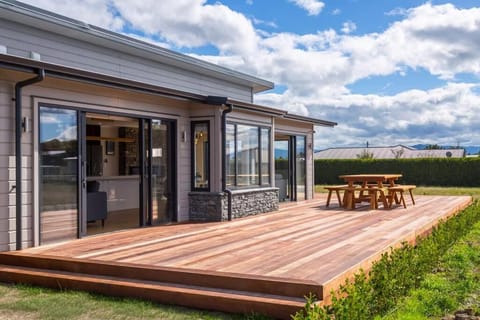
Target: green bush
453, 172
394, 275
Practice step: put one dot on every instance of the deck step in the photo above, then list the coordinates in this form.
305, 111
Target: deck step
147, 282
190, 296
222, 280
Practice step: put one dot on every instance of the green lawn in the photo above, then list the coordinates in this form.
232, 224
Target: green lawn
439, 191
25, 302
454, 284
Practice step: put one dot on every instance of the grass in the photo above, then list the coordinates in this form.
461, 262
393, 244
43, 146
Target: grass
454, 285
433, 191
26, 302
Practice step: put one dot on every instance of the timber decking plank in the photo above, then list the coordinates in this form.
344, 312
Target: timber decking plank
302, 240
301, 247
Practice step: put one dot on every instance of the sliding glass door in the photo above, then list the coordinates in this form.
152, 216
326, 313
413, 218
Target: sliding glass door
59, 174
160, 195
290, 167
102, 172
300, 168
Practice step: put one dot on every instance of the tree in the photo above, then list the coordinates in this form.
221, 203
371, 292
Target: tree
397, 153
365, 154
433, 147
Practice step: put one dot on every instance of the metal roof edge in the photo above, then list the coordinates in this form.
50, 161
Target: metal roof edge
60, 71
280, 113
160, 54
257, 108
318, 122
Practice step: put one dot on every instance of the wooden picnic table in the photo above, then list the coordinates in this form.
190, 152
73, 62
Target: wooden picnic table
373, 182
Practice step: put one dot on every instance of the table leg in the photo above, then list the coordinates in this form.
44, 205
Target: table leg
349, 199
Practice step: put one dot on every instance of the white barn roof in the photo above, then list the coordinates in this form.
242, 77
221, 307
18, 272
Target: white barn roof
392, 152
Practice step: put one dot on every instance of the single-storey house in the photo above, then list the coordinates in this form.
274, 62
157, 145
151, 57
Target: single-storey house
102, 132
392, 152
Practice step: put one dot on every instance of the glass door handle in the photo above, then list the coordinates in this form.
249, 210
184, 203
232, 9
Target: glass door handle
84, 174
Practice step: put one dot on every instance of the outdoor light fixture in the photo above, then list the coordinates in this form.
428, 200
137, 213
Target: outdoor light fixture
26, 125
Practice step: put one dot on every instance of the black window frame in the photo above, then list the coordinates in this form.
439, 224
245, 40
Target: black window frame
192, 152
260, 183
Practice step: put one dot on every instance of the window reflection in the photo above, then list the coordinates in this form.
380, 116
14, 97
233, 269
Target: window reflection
201, 159
301, 167
248, 155
58, 150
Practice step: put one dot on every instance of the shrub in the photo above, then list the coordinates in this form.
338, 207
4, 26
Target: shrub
394, 274
426, 171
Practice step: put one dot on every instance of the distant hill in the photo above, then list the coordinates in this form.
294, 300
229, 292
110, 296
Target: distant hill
472, 150
280, 153
469, 149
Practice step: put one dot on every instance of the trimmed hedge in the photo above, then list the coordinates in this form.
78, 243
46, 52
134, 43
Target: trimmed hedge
394, 275
451, 172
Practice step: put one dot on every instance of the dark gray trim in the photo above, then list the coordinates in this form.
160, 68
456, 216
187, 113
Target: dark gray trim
192, 152
149, 174
257, 108
18, 151
224, 145
67, 73
143, 206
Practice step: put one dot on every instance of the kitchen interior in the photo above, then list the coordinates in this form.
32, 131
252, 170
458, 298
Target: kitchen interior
112, 173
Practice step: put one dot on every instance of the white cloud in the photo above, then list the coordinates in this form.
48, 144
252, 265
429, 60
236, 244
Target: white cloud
69, 133
336, 12
317, 68
265, 23
50, 119
444, 115
397, 12
192, 23
313, 7
348, 27
96, 12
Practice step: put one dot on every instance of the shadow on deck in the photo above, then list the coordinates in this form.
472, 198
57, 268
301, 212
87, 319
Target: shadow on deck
264, 264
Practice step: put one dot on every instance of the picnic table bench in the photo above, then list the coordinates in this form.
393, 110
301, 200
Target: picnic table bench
373, 188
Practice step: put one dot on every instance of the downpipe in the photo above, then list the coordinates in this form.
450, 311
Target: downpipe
18, 151
224, 159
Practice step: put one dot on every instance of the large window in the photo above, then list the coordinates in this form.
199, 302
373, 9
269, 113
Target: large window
201, 159
248, 155
300, 167
265, 155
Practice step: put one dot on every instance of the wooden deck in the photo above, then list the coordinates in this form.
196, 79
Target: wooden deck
302, 244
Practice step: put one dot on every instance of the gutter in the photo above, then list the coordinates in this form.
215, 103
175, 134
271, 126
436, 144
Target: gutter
18, 151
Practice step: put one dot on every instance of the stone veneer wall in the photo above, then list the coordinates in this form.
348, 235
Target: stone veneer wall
213, 206
208, 206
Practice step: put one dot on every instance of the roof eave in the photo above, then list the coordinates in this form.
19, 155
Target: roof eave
257, 108
60, 71
52, 22
317, 122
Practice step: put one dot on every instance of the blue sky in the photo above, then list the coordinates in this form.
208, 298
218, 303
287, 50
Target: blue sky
388, 71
